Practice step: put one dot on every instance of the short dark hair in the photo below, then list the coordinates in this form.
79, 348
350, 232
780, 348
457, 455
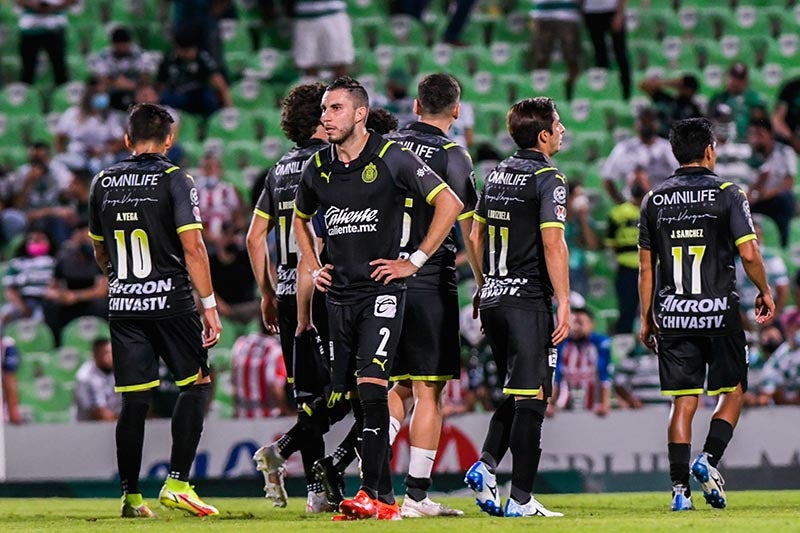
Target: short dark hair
121, 34
527, 118
99, 342
585, 310
352, 86
300, 111
689, 139
185, 38
689, 81
437, 93
381, 121
760, 122
148, 122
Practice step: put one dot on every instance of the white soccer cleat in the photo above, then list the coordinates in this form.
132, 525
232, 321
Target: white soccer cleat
318, 503
426, 507
270, 463
680, 501
532, 508
484, 484
711, 481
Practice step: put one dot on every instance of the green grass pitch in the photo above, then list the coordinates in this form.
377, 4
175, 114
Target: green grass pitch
775, 511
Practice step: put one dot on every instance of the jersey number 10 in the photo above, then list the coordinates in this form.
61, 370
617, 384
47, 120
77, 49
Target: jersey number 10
139, 251
697, 253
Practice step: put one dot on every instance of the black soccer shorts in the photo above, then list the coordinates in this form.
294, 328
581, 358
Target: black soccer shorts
136, 345
364, 338
429, 348
287, 325
520, 341
682, 364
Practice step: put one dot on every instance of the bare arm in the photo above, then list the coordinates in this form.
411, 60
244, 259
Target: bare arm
557, 259
647, 268
259, 262
613, 191
477, 238
218, 82
473, 254
754, 267
194, 250
779, 124
308, 259
101, 256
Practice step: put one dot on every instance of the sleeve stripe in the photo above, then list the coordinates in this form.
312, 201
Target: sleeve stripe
262, 214
744, 239
439, 188
726, 185
476, 216
98, 238
449, 145
170, 170
385, 147
545, 169
551, 225
465, 216
187, 227
301, 214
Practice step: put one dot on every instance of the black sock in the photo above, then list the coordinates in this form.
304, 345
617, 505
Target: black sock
374, 435
679, 463
526, 437
187, 426
313, 450
497, 438
292, 440
417, 487
346, 451
719, 435
130, 438
385, 488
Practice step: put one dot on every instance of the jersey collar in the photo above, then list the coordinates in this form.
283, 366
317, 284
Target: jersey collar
688, 171
374, 143
535, 155
425, 128
311, 142
148, 155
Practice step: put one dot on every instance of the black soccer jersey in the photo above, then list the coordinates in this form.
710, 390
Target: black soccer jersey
137, 208
453, 164
521, 196
362, 205
276, 204
693, 222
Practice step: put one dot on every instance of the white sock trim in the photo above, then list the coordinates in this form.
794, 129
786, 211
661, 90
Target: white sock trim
394, 429
420, 462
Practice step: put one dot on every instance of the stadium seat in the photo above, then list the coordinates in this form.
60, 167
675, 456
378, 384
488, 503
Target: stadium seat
235, 36
490, 118
30, 335
21, 99
189, 128
502, 58
483, 87
269, 63
64, 363
588, 147
66, 95
358, 9
251, 93
48, 398
231, 123
646, 53
406, 30
751, 20
785, 50
582, 115
598, 83
38, 128
543, 83
514, 28
81, 332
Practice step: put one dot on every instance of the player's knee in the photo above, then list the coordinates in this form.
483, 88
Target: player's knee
539, 407
371, 393
137, 399
197, 390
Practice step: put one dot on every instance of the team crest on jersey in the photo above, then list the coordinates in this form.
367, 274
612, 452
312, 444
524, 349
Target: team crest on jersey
193, 197
370, 173
559, 195
386, 306
561, 212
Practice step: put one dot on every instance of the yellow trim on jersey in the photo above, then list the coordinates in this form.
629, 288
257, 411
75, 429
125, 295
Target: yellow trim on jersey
385, 147
94, 237
317, 160
449, 145
545, 169
301, 214
262, 214
544, 225
187, 381
170, 170
308, 410
290, 381
742, 240
682, 392
521, 392
190, 177
187, 227
409, 202
479, 218
135, 388
726, 185
431, 195
722, 390
465, 216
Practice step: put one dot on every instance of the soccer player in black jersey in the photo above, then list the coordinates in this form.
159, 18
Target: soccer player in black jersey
691, 228
360, 184
429, 355
519, 228
274, 209
146, 226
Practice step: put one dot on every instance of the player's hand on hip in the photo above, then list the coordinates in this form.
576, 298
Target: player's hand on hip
390, 269
765, 308
212, 327
269, 313
562, 324
322, 277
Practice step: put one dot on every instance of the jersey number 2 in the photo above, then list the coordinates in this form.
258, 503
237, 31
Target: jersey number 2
677, 268
139, 251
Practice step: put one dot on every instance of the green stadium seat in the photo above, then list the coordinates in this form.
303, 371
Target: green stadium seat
598, 83
768, 81
270, 63
369, 61
251, 93
86, 12
646, 53
751, 20
235, 36
38, 128
582, 115
21, 99
270, 119
652, 23
483, 87
231, 123
64, 363
406, 30
502, 58
30, 335
48, 398
358, 9
189, 127
514, 28
460, 62
785, 50
490, 118
588, 147
66, 95
247, 153
81, 332
12, 157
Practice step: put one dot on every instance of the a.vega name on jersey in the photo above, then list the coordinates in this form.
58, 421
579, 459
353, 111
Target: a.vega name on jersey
344, 221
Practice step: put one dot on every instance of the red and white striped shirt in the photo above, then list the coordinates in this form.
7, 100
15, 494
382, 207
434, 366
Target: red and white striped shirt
259, 376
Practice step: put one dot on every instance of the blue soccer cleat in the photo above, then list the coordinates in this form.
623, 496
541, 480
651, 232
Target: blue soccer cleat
680, 501
711, 481
532, 508
484, 484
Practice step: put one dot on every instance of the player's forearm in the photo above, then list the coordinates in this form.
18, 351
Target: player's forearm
447, 207
101, 257
305, 293
473, 254
557, 260
256, 242
305, 243
753, 265
198, 267
477, 238
645, 283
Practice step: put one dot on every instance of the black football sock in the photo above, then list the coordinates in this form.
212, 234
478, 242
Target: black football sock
344, 454
130, 438
499, 434
417, 487
719, 435
374, 435
678, 455
187, 426
526, 437
385, 488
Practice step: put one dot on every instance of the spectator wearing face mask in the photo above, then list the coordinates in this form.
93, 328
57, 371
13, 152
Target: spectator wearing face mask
220, 202
646, 150
90, 135
733, 155
78, 287
28, 277
121, 67
779, 382
770, 339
